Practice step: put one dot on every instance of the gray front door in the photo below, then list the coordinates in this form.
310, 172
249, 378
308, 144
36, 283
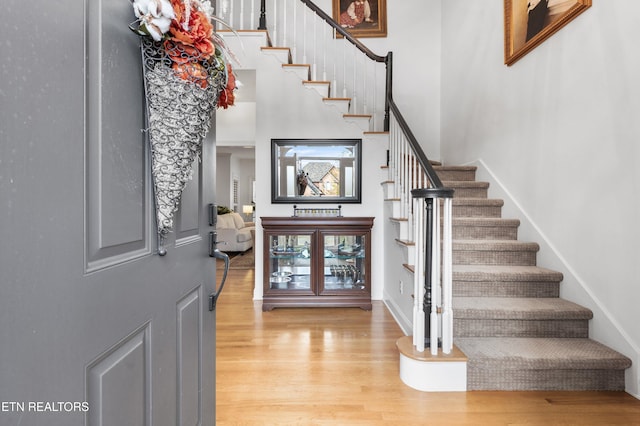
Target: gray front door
95, 327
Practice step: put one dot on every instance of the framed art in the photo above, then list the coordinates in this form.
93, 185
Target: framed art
361, 18
527, 23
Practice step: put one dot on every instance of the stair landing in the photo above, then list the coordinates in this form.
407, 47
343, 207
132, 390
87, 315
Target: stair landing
432, 373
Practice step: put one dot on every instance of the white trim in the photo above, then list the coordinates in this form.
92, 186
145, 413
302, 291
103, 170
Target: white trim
445, 376
395, 311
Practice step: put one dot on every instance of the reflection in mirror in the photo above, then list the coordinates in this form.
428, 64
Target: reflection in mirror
315, 170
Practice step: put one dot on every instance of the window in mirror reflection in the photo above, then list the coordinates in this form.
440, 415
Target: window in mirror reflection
316, 171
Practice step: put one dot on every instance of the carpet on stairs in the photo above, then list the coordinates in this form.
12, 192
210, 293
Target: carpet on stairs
509, 320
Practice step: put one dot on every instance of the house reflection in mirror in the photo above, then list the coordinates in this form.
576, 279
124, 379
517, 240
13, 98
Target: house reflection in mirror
315, 170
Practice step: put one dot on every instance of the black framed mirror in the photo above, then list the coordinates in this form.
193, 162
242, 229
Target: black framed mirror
316, 170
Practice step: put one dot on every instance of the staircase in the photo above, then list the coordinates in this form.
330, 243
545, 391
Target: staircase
508, 318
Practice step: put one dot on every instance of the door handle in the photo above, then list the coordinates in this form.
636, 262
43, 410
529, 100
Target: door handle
216, 253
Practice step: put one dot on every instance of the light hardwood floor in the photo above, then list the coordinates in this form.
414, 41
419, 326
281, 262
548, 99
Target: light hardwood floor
328, 366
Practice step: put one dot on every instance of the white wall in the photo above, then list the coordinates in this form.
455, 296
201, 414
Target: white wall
223, 180
558, 135
246, 177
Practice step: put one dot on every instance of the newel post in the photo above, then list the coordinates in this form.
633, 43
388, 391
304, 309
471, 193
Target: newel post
428, 282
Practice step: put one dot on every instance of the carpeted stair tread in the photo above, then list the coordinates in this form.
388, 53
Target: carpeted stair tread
468, 188
477, 207
516, 308
518, 353
465, 184
478, 202
485, 228
494, 252
448, 173
510, 273
494, 245
439, 168
485, 221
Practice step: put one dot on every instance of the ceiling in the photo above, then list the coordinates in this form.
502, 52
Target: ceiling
247, 152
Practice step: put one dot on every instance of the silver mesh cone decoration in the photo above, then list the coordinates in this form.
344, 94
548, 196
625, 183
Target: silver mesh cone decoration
179, 113
185, 74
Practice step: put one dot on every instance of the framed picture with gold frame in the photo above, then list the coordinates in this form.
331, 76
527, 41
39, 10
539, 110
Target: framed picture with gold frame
362, 18
527, 23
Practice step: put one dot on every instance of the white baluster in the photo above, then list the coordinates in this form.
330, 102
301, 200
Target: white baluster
295, 31
344, 70
252, 15
232, 16
419, 327
405, 177
354, 84
398, 164
375, 95
304, 36
275, 23
437, 253
315, 49
392, 151
363, 75
284, 25
435, 277
447, 279
416, 204
327, 39
401, 172
334, 84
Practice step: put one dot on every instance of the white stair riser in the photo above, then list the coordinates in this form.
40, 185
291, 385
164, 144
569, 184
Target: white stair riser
388, 189
321, 88
281, 55
363, 122
433, 376
302, 71
342, 105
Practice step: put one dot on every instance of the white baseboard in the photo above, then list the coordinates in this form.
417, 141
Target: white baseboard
403, 322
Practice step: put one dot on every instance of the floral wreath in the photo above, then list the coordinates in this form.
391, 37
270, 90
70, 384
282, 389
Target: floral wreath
187, 74
185, 29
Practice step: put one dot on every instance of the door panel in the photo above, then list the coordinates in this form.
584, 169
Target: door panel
118, 387
189, 359
118, 188
188, 217
89, 313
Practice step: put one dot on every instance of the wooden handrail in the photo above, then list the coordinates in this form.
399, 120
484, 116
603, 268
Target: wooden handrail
415, 146
364, 49
387, 60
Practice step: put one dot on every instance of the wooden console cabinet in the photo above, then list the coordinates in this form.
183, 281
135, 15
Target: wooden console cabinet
317, 262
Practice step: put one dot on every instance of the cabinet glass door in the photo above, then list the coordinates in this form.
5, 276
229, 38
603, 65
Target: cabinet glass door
289, 268
343, 266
